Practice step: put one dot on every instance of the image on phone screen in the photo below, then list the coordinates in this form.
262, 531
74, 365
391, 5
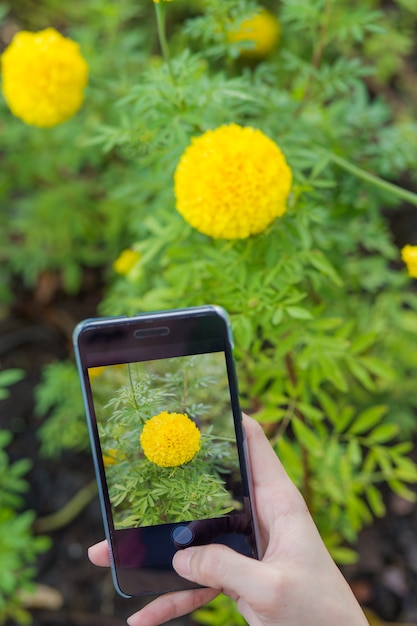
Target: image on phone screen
168, 445
167, 440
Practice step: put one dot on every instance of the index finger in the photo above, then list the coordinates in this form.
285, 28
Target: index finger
99, 554
275, 493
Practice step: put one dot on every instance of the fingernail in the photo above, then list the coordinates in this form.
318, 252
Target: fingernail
182, 561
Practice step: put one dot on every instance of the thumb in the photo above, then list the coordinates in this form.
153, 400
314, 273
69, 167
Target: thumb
219, 567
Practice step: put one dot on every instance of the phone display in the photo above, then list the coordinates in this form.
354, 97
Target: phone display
168, 446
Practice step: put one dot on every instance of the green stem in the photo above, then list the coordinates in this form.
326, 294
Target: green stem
318, 52
160, 22
69, 512
132, 386
404, 194
218, 438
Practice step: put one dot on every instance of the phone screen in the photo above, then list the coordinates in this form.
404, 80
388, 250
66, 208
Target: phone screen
168, 450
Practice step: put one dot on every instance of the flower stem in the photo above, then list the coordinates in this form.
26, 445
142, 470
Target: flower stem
69, 511
132, 386
404, 194
160, 22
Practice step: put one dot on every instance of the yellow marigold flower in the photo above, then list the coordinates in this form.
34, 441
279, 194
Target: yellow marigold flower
232, 182
170, 439
409, 256
126, 261
44, 76
262, 29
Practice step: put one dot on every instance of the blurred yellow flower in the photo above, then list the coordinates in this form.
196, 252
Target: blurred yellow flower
126, 261
232, 182
111, 457
261, 29
157, 1
44, 77
95, 372
409, 256
170, 439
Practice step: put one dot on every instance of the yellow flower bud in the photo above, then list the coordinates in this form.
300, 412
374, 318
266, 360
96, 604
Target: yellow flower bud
409, 256
126, 261
111, 457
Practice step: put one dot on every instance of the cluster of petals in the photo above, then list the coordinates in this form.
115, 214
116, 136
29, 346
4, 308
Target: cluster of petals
44, 77
409, 256
232, 182
170, 439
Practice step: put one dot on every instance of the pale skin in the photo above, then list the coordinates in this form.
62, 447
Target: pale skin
295, 584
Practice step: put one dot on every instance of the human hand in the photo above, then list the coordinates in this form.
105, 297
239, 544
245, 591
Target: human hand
296, 584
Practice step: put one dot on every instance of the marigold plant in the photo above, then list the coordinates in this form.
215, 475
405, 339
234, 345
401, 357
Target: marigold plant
44, 77
232, 182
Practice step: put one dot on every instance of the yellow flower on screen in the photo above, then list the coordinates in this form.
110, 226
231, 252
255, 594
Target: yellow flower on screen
409, 256
262, 30
111, 457
96, 372
126, 261
170, 439
44, 76
232, 182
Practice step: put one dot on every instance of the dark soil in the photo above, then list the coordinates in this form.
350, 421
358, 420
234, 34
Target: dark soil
37, 332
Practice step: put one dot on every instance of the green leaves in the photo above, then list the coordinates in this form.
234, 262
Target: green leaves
7, 378
366, 420
19, 548
60, 397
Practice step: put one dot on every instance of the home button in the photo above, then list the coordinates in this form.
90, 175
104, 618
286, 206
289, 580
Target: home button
182, 535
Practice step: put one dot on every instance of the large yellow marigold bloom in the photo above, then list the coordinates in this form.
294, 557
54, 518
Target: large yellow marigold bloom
170, 439
262, 29
409, 256
44, 76
232, 182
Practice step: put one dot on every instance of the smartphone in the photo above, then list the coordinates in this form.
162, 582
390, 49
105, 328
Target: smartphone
168, 446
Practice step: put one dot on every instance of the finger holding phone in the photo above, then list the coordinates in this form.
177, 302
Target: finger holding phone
296, 583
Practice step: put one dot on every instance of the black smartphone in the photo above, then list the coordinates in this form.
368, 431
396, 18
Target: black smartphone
168, 445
